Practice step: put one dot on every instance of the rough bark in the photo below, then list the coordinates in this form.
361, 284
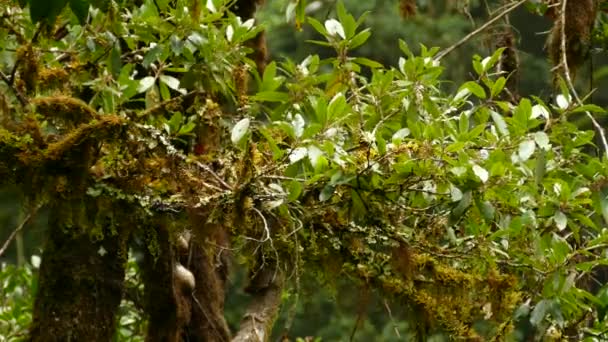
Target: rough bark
80, 280
80, 289
258, 320
168, 307
208, 322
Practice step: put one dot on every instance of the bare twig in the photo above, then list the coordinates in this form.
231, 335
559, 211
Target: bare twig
508, 10
25, 221
564, 63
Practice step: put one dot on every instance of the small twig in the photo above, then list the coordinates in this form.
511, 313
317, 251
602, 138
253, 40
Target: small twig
9, 83
25, 221
214, 175
390, 315
564, 63
480, 29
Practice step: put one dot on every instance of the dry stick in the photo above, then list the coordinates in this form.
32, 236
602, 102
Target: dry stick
564, 63
480, 29
25, 221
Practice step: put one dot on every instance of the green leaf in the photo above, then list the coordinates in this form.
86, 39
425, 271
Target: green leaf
561, 221
145, 84
498, 86
474, 88
295, 189
523, 112
175, 122
489, 62
336, 106
271, 96
604, 207
481, 173
539, 312
541, 167
317, 26
359, 39
239, 130
172, 83
462, 206
367, 62
80, 8
358, 208
526, 149
589, 108
400, 135
151, 56
326, 193
542, 140
501, 125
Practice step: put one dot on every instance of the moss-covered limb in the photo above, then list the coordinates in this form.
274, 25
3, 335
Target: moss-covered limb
444, 293
70, 109
22, 152
80, 280
260, 316
74, 138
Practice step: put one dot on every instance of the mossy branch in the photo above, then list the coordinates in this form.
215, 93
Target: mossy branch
57, 149
65, 107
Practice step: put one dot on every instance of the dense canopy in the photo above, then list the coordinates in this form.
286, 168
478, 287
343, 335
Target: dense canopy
169, 151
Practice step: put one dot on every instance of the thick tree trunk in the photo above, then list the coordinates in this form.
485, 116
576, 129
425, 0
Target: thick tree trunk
80, 281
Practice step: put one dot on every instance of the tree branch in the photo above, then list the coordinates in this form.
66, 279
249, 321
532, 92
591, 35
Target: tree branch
258, 320
25, 221
480, 29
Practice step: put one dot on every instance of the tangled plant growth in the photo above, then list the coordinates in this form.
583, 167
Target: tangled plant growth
486, 218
